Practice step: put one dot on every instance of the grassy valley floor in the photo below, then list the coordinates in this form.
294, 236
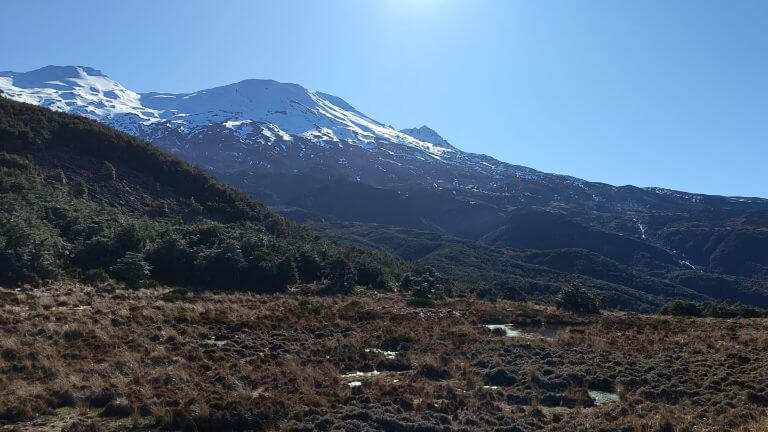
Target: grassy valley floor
78, 358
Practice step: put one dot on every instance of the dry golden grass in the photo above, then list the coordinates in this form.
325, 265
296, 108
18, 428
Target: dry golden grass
242, 361
757, 426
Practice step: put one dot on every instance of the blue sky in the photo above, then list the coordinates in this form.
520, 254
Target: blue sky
664, 93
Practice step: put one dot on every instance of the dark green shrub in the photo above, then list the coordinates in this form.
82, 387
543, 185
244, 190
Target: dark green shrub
286, 273
508, 290
172, 260
177, 294
308, 266
95, 276
107, 172
95, 253
131, 237
372, 275
680, 308
29, 250
577, 300
487, 292
221, 268
426, 283
15, 162
422, 303
78, 188
342, 276
132, 269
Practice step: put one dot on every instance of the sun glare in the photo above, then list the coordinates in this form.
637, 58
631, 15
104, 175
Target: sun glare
416, 6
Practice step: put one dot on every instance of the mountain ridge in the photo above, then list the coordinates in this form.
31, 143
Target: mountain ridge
291, 107
305, 140
149, 109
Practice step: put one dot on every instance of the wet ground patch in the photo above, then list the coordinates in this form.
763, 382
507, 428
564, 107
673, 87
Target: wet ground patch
548, 332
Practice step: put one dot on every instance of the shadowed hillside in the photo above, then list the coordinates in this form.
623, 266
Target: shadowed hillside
542, 274
83, 199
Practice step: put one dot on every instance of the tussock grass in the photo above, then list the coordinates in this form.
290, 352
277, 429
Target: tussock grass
236, 361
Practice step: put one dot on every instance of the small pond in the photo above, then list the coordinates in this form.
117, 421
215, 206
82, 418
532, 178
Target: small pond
603, 397
359, 374
530, 332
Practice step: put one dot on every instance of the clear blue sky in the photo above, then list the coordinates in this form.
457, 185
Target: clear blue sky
653, 93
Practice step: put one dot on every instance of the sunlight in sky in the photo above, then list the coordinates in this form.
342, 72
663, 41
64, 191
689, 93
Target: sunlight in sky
562, 86
420, 9
416, 5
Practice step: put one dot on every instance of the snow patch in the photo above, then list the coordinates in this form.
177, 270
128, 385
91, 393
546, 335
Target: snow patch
642, 229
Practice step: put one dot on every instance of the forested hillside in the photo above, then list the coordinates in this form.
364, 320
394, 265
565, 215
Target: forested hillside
81, 199
541, 274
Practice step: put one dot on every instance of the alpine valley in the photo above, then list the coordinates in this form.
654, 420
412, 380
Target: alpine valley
316, 159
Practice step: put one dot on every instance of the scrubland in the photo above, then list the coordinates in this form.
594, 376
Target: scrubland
76, 357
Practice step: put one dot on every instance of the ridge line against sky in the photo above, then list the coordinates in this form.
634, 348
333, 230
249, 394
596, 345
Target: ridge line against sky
668, 94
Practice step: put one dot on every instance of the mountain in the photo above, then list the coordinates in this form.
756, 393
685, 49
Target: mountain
427, 134
263, 126
312, 156
266, 109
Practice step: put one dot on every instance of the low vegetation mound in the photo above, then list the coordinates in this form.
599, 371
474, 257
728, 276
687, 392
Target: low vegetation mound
577, 300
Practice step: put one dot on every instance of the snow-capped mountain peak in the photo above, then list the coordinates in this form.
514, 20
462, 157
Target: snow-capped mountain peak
283, 108
78, 90
51, 75
427, 134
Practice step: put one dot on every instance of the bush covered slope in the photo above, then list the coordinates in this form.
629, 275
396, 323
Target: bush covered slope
542, 274
79, 197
